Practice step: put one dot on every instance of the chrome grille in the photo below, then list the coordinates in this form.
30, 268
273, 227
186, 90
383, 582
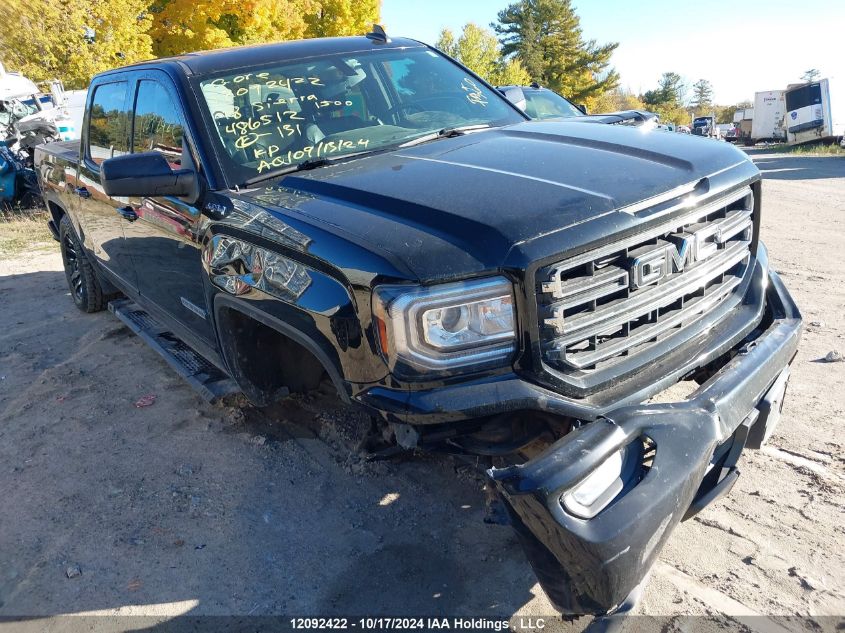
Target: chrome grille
608, 304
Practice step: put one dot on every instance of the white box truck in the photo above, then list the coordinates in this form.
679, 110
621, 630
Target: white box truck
743, 119
814, 112
769, 113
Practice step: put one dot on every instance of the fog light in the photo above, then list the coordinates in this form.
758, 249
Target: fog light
595, 492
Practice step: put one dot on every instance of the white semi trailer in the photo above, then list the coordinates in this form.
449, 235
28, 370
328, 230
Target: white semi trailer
814, 112
769, 114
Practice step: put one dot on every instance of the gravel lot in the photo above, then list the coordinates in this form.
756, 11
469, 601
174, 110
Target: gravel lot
183, 507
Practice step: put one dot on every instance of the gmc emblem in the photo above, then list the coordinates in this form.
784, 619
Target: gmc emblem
684, 250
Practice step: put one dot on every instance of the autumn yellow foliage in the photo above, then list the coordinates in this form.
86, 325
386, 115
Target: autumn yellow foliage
73, 40
46, 39
614, 101
341, 17
182, 26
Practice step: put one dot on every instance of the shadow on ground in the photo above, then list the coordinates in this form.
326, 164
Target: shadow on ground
183, 502
791, 167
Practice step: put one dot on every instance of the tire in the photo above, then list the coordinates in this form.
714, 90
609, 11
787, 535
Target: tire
82, 280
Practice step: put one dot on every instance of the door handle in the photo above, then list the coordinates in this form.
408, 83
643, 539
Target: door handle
82, 192
127, 213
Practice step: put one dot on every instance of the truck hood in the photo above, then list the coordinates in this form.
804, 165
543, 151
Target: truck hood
461, 205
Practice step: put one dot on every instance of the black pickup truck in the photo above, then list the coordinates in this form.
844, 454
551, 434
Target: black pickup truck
368, 211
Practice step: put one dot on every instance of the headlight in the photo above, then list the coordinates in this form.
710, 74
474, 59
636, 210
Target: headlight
446, 328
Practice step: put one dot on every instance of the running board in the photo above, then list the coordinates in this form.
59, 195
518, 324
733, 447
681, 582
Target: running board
211, 382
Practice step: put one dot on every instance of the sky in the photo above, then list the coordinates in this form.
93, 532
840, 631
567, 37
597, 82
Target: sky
740, 46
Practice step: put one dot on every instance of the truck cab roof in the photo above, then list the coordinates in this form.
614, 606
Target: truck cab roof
224, 59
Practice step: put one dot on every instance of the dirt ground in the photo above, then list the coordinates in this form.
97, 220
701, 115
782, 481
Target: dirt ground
187, 508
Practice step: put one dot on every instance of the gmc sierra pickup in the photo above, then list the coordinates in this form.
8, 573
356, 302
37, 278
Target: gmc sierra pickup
370, 212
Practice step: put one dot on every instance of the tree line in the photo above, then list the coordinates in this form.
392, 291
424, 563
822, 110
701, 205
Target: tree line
542, 41
537, 41
532, 41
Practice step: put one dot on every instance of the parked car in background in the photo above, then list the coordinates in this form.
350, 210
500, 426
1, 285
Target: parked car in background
543, 104
633, 118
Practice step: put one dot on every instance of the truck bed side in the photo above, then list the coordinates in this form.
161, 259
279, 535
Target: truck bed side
57, 165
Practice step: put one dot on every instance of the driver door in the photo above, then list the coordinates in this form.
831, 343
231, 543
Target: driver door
165, 238
100, 215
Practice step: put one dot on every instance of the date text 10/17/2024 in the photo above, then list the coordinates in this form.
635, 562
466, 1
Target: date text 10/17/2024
415, 624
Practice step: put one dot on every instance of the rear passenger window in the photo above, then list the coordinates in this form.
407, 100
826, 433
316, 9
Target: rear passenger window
108, 122
158, 124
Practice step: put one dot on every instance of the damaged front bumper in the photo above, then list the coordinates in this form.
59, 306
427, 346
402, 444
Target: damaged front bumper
591, 547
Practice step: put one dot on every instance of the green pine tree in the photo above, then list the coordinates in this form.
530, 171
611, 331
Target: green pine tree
702, 94
546, 37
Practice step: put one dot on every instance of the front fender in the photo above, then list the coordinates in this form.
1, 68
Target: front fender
268, 283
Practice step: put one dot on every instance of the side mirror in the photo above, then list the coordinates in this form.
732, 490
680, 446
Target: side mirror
515, 95
147, 175
582, 107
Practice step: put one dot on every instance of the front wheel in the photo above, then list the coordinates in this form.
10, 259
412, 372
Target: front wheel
81, 278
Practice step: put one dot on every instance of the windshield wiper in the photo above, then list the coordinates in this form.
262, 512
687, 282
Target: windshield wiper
446, 132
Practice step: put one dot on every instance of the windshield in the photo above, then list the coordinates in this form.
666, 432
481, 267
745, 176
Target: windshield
275, 117
545, 104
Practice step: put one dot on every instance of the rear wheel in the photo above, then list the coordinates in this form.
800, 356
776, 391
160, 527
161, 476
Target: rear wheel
82, 281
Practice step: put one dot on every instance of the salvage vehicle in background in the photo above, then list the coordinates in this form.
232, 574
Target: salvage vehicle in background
543, 104
27, 118
18, 183
370, 212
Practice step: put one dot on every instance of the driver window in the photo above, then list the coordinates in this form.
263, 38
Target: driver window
157, 124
